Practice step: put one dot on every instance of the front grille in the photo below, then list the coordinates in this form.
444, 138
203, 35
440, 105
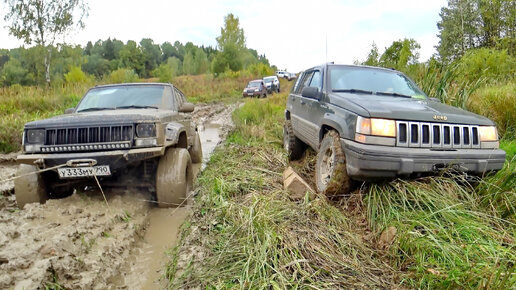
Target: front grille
88, 138
87, 135
436, 135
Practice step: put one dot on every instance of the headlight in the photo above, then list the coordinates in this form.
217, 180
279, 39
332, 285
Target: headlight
36, 136
256, 90
488, 133
376, 127
145, 130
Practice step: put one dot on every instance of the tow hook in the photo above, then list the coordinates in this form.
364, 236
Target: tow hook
81, 163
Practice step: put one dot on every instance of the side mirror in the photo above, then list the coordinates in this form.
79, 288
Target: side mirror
187, 108
69, 111
311, 92
435, 100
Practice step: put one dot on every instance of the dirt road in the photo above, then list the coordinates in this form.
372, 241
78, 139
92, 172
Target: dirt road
81, 242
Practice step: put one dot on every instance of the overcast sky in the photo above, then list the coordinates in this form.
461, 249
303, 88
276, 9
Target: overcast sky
292, 34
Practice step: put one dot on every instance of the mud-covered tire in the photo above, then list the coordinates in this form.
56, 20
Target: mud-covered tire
291, 143
331, 176
174, 178
29, 187
196, 149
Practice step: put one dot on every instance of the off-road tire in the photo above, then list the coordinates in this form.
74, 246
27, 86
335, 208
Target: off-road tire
331, 176
174, 178
56, 187
291, 143
29, 187
196, 149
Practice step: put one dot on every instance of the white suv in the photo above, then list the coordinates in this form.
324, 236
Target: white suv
285, 75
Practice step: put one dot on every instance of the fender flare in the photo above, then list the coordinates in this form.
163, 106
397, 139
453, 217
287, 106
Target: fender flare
336, 123
172, 132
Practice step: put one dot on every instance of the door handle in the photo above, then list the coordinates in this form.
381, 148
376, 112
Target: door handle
302, 102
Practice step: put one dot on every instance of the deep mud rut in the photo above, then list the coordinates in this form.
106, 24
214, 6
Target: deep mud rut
81, 242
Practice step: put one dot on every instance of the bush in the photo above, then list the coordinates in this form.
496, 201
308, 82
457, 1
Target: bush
122, 75
260, 69
76, 76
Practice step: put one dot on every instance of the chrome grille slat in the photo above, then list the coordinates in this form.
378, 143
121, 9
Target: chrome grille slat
436, 135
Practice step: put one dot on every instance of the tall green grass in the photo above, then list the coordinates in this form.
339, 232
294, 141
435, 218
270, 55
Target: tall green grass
209, 89
450, 235
498, 103
19, 105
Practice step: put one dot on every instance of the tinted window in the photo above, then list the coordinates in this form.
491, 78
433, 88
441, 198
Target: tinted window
316, 80
374, 80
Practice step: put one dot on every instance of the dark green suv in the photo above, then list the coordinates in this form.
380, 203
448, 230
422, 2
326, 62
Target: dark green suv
370, 123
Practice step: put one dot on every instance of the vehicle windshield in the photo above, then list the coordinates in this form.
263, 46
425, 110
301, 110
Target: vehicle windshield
254, 84
373, 81
268, 80
119, 97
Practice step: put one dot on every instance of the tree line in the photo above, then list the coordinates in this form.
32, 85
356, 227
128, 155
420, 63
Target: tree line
477, 38
144, 59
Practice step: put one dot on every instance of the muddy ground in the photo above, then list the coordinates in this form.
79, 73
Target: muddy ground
81, 242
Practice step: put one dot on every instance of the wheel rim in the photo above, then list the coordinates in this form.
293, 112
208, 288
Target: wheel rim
326, 166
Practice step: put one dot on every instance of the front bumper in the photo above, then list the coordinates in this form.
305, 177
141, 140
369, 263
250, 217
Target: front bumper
116, 159
251, 94
369, 162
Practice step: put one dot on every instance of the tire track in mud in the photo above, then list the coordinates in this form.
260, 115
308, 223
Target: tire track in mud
80, 243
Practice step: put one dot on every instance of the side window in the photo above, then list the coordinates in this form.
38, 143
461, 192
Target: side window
305, 82
316, 80
168, 98
179, 97
298, 81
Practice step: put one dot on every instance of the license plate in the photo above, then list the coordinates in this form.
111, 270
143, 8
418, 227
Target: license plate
71, 172
250, 94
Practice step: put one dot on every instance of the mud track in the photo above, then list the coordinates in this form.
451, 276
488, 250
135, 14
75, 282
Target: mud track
81, 243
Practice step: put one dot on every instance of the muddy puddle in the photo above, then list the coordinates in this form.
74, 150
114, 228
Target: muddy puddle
145, 268
81, 243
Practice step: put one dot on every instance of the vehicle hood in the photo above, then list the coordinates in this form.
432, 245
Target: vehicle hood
125, 116
410, 109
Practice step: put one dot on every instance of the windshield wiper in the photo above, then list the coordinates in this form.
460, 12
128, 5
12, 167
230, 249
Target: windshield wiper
353, 91
95, 109
392, 94
136, 107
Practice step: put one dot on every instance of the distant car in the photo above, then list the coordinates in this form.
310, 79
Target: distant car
291, 76
282, 74
285, 75
255, 88
272, 83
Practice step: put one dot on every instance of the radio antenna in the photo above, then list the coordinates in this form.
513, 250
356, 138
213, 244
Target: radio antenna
326, 57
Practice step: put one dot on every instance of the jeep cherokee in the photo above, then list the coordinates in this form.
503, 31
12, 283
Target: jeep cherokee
369, 123
140, 131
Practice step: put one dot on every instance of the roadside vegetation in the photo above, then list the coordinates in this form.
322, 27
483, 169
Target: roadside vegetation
246, 232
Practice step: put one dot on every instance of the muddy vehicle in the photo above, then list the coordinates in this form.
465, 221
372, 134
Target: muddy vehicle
129, 135
369, 123
255, 88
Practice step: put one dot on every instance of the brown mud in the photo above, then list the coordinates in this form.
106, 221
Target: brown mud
81, 242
